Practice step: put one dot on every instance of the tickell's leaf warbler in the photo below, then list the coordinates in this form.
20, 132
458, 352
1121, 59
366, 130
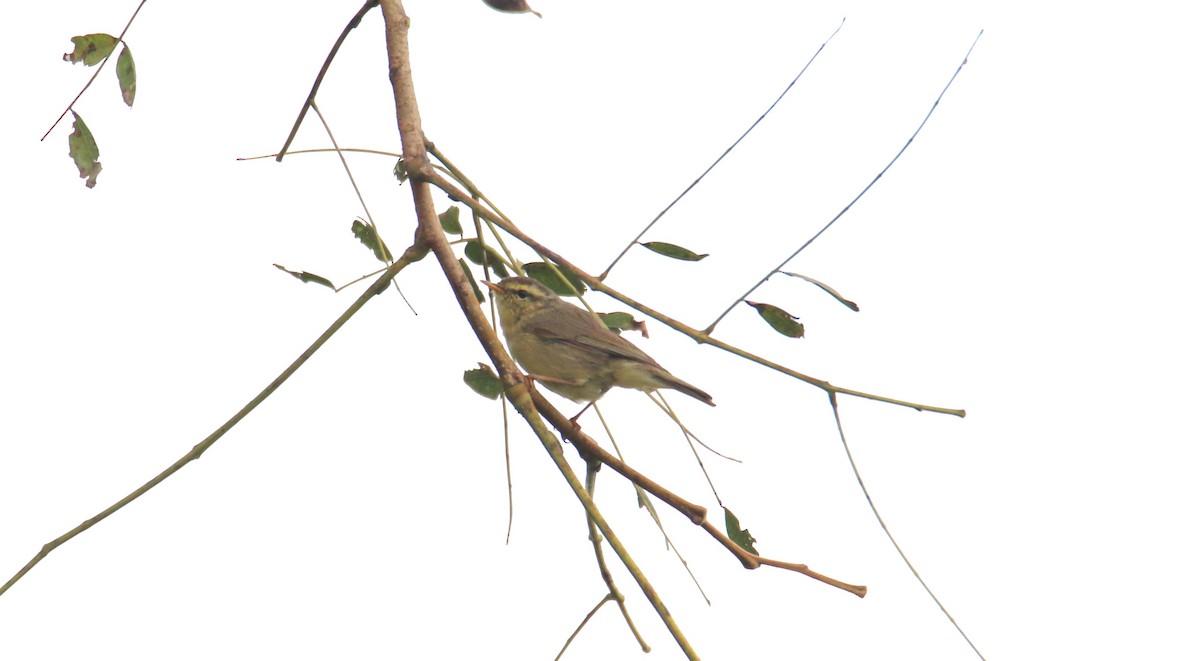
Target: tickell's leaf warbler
570, 351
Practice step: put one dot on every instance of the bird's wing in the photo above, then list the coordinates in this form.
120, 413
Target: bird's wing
582, 334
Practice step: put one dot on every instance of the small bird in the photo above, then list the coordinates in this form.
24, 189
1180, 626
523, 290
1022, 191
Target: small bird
570, 351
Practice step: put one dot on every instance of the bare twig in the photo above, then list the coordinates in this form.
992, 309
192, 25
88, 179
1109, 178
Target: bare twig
723, 154
312, 95
841, 213
410, 255
878, 517
591, 451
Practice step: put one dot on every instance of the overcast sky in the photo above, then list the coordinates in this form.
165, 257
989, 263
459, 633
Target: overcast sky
1029, 259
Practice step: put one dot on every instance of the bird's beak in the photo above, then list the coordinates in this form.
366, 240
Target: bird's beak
493, 286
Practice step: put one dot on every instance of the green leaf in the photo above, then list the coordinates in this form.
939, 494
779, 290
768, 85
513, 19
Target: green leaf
623, 321
780, 320
483, 381
475, 251
400, 171
828, 290
740, 536
541, 272
82, 148
305, 276
91, 49
126, 76
449, 221
471, 279
673, 251
369, 238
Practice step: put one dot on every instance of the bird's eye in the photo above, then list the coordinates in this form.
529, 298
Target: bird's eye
522, 294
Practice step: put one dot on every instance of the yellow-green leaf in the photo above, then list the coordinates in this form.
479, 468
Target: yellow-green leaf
828, 290
623, 321
126, 76
673, 251
544, 274
370, 238
91, 49
783, 322
483, 381
475, 251
305, 276
739, 535
471, 279
82, 148
449, 221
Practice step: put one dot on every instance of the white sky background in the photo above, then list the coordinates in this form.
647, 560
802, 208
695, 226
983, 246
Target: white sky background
1030, 259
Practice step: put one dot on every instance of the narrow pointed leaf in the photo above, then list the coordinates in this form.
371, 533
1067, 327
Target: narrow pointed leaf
91, 49
475, 251
449, 221
471, 279
739, 535
828, 290
780, 320
369, 238
544, 274
673, 251
483, 381
82, 148
305, 276
126, 76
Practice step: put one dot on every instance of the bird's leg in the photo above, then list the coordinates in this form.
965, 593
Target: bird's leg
589, 405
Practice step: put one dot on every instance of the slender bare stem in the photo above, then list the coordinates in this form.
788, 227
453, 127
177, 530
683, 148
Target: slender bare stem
411, 255
841, 213
312, 95
724, 153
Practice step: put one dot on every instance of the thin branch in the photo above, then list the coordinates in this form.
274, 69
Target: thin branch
593, 470
591, 451
345, 166
356, 150
841, 213
724, 153
586, 618
312, 95
410, 255
408, 119
121, 40
878, 517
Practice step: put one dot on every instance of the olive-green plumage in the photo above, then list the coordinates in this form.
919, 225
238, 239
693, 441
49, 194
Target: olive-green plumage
573, 353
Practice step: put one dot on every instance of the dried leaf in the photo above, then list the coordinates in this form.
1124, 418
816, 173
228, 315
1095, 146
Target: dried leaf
739, 535
471, 279
305, 276
370, 238
483, 381
449, 221
544, 274
783, 322
673, 251
623, 321
828, 290
82, 148
475, 251
91, 49
126, 76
